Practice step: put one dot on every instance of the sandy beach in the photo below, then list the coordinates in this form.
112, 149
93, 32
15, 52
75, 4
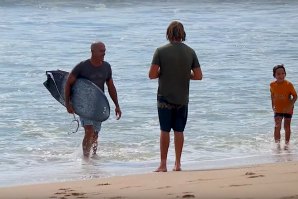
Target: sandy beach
279, 180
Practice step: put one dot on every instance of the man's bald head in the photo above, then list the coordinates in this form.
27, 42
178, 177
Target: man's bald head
97, 45
98, 51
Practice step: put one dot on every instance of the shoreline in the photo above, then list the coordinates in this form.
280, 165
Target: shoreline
273, 180
101, 170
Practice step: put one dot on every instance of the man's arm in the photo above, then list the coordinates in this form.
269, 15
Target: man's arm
154, 71
69, 82
196, 74
113, 94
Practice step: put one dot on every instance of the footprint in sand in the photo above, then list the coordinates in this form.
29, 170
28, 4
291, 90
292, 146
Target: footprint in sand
166, 187
104, 184
256, 176
188, 196
239, 185
253, 175
128, 187
78, 194
66, 192
290, 197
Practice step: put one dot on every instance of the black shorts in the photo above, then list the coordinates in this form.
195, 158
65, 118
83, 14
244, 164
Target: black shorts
283, 115
171, 116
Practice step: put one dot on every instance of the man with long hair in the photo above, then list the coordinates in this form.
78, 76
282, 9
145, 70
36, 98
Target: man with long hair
174, 64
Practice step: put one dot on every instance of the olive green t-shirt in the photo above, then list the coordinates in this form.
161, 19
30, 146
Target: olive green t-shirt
175, 61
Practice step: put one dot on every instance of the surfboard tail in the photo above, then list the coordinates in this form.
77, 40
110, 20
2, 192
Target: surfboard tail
87, 99
55, 84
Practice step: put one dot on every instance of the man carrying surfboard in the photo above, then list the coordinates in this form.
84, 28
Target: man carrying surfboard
174, 64
99, 72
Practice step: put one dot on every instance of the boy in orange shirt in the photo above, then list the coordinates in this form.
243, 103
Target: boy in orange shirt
283, 97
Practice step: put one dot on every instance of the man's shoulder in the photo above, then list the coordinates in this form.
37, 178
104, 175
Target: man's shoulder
85, 62
165, 46
81, 66
184, 45
170, 45
106, 64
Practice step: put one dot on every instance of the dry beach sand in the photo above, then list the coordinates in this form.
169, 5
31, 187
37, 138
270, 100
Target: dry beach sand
278, 180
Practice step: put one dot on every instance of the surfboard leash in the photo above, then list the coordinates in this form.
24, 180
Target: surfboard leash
78, 124
74, 116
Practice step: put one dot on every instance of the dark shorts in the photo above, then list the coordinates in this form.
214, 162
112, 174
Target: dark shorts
171, 116
283, 115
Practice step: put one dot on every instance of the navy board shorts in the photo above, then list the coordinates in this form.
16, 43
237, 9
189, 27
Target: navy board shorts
171, 116
96, 125
283, 115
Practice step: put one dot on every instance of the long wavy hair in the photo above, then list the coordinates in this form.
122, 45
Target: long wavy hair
175, 32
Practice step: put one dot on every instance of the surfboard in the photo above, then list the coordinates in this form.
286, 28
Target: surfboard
87, 99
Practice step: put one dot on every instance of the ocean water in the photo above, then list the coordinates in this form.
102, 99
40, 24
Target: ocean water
230, 118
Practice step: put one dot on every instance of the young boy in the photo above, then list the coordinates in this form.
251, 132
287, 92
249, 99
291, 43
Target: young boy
283, 97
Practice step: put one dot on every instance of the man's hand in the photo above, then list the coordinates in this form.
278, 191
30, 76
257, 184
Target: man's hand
118, 113
70, 109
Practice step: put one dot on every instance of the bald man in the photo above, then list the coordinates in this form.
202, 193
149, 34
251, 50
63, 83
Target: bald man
99, 72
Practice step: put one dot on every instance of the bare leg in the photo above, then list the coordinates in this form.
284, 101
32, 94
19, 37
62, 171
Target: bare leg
87, 141
164, 147
95, 142
277, 128
287, 127
179, 141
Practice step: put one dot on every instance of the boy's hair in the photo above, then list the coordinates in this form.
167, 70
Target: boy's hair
277, 67
176, 31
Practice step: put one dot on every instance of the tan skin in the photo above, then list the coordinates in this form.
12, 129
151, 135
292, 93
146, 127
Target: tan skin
196, 74
280, 77
97, 56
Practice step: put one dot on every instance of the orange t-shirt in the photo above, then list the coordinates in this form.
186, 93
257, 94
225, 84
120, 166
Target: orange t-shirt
282, 94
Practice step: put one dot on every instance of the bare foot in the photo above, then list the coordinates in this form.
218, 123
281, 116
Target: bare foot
177, 169
85, 158
161, 169
95, 157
